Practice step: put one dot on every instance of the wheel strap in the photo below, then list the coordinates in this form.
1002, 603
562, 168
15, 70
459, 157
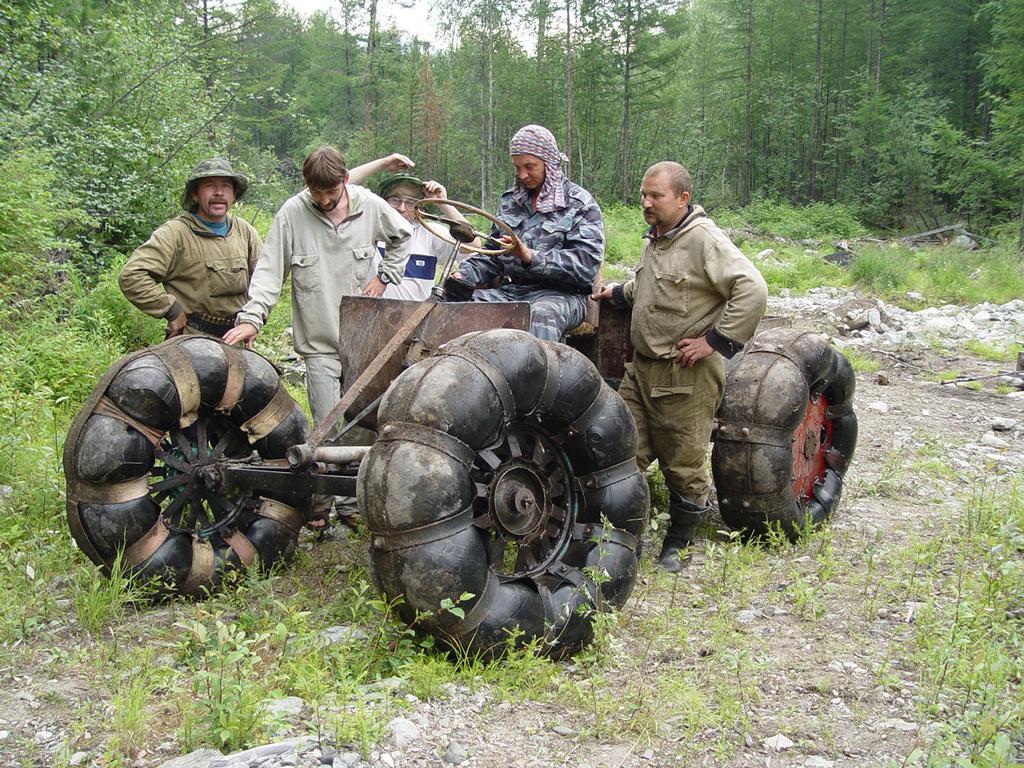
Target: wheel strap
235, 380
113, 493
186, 380
600, 533
107, 407
273, 413
279, 512
431, 438
242, 546
389, 541
147, 546
493, 375
757, 434
552, 382
609, 476
475, 616
200, 576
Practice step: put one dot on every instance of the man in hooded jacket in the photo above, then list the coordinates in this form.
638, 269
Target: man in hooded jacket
695, 298
194, 270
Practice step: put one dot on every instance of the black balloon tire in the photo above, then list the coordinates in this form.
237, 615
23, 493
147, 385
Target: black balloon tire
502, 497
116, 440
772, 393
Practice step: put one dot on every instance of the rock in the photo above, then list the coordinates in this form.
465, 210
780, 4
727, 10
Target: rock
875, 320
386, 760
766, 253
878, 407
279, 751
201, 758
345, 759
816, 761
898, 725
343, 633
455, 754
747, 616
915, 296
857, 320
991, 441
939, 326
748, 740
982, 317
1002, 424
42, 737
778, 742
1018, 395
840, 258
403, 732
881, 378
78, 758
964, 243
286, 707
563, 730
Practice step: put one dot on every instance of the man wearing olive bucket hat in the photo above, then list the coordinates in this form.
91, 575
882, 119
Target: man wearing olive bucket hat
194, 270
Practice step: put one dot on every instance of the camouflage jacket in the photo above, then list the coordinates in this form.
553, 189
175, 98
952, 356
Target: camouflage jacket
185, 266
567, 245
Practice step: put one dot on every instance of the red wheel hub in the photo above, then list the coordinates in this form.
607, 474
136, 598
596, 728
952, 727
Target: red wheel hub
811, 439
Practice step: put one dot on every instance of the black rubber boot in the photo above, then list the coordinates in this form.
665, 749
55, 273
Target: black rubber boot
685, 517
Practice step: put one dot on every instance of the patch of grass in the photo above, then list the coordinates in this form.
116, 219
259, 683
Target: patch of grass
624, 227
102, 600
993, 353
818, 221
860, 362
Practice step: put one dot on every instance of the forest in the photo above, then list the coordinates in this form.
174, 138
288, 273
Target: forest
909, 113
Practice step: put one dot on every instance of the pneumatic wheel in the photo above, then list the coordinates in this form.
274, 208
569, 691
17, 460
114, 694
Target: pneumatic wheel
786, 433
502, 496
140, 457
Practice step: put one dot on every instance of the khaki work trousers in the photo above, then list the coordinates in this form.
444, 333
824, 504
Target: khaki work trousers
674, 409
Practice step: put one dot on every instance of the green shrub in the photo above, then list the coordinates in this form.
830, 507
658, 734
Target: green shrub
820, 221
624, 227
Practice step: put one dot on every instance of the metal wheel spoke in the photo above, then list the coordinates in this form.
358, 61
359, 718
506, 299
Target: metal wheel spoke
201, 446
515, 451
171, 461
222, 445
183, 444
167, 483
176, 504
490, 458
481, 490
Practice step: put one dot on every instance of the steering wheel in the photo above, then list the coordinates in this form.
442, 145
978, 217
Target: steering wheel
426, 218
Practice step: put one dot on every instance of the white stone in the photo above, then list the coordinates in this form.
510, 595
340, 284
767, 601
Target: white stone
982, 317
1002, 424
455, 754
78, 758
915, 296
767, 252
403, 732
345, 759
990, 440
816, 761
286, 707
778, 742
878, 407
898, 725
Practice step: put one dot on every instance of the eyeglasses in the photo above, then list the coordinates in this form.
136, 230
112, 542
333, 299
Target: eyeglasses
398, 202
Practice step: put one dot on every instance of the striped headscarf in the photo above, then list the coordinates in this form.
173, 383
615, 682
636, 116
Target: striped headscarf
539, 141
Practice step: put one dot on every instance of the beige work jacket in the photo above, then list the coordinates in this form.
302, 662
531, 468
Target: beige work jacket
691, 281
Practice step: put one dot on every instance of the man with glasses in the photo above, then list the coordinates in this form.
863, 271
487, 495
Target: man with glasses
402, 192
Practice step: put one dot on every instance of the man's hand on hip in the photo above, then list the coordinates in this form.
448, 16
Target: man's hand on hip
176, 327
374, 288
242, 333
689, 351
604, 293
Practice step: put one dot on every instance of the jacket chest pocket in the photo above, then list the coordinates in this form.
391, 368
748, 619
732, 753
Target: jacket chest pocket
227, 278
553, 232
362, 264
670, 292
306, 272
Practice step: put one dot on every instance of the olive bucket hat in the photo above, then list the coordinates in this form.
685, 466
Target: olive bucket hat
215, 166
388, 185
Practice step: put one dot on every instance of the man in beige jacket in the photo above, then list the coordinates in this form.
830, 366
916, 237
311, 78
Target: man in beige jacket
193, 271
694, 298
325, 238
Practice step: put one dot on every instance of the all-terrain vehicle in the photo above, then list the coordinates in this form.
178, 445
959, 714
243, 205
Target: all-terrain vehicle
503, 479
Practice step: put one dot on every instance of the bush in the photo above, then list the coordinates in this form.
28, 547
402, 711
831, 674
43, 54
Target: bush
819, 221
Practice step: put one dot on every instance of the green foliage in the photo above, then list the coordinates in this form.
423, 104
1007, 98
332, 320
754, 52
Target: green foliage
624, 227
819, 221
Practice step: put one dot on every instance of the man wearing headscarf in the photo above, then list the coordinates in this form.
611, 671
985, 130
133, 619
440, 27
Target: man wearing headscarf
558, 245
